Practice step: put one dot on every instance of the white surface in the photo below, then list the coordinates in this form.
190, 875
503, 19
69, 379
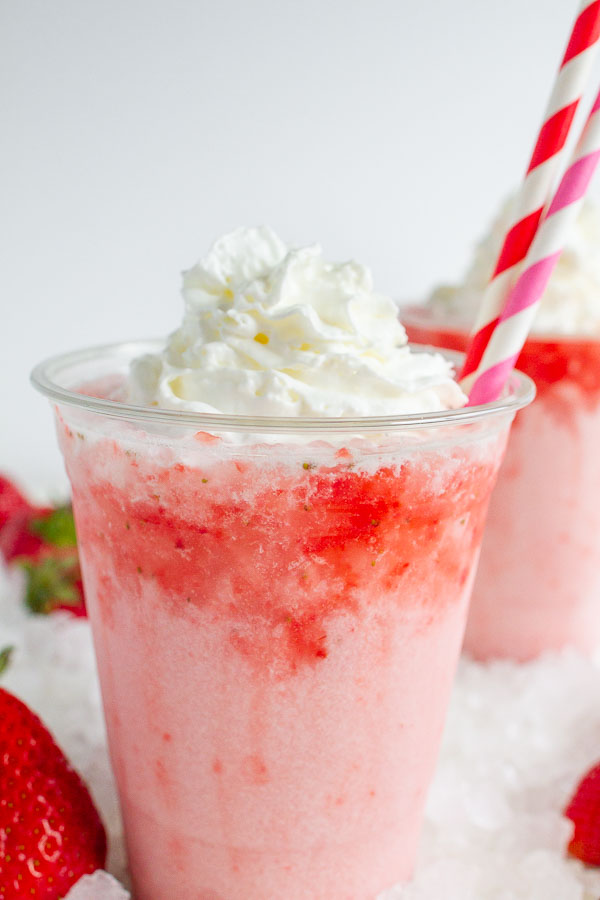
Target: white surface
134, 133
517, 740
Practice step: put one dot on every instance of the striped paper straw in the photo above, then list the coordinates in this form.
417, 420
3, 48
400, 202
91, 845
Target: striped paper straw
516, 318
539, 178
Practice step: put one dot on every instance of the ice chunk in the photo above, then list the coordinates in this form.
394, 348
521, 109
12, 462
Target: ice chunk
99, 886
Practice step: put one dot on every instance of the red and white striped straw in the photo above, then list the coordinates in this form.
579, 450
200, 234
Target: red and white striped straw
539, 178
516, 318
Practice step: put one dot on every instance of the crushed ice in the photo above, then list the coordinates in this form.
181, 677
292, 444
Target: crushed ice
518, 739
99, 886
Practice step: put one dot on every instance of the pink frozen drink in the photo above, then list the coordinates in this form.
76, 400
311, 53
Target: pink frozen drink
278, 602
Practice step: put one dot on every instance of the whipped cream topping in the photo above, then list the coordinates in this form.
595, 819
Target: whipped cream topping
269, 330
571, 302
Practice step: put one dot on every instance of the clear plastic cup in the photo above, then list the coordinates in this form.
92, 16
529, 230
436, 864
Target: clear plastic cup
278, 607
538, 581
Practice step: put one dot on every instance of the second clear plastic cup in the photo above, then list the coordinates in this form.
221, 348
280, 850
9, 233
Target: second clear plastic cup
538, 582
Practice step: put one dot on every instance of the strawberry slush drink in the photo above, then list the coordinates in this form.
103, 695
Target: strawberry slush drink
538, 582
277, 603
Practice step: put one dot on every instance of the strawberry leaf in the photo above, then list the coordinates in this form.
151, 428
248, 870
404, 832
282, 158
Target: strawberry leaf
52, 582
57, 528
5, 655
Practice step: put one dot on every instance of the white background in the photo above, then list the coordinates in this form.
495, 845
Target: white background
136, 131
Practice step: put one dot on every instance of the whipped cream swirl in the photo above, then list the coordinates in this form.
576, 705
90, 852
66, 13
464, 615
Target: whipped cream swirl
269, 330
571, 302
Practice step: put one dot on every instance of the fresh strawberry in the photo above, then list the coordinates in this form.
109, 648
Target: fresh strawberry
31, 529
42, 541
12, 501
584, 811
53, 572
50, 832
15, 512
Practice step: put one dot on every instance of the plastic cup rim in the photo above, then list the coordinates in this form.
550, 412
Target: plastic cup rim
44, 379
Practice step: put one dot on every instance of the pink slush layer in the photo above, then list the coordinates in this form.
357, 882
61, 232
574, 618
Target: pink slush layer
538, 582
276, 643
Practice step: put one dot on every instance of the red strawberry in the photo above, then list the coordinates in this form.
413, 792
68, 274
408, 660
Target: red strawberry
12, 501
50, 832
43, 541
32, 528
15, 512
584, 811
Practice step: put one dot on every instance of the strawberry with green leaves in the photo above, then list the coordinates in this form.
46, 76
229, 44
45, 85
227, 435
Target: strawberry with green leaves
42, 541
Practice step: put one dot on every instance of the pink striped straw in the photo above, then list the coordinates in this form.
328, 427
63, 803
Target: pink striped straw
539, 179
514, 323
